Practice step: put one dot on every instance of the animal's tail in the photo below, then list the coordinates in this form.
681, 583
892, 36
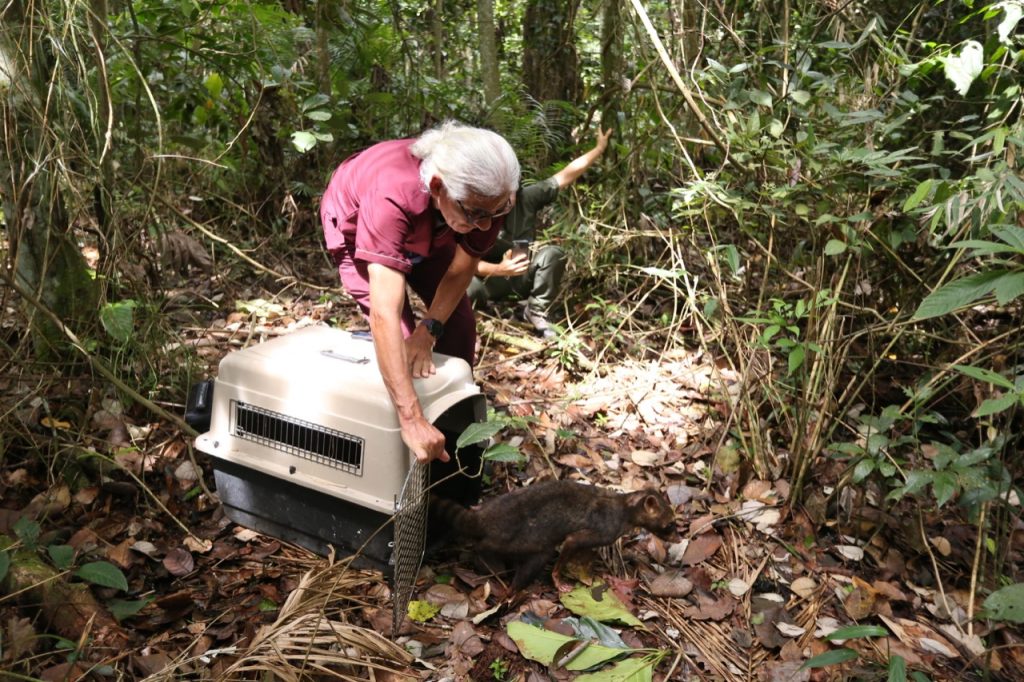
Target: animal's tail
451, 515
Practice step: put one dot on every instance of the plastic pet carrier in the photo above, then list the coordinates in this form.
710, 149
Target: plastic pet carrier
306, 447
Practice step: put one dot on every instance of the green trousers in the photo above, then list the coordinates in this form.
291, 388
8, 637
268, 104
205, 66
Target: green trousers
540, 286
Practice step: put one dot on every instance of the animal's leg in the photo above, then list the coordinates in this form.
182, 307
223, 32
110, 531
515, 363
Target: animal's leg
528, 569
574, 543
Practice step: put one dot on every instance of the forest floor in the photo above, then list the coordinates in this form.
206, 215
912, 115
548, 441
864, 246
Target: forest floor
750, 589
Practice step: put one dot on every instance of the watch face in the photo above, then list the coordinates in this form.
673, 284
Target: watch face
434, 327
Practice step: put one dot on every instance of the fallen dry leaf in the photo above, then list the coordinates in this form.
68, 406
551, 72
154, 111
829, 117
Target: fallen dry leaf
804, 587
738, 587
466, 638
710, 608
645, 458
789, 629
179, 562
701, 548
671, 583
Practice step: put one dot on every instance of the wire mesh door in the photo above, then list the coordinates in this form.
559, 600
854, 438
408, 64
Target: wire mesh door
410, 540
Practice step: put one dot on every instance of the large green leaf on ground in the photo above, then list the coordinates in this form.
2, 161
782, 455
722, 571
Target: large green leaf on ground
104, 574
600, 603
538, 644
637, 669
1006, 604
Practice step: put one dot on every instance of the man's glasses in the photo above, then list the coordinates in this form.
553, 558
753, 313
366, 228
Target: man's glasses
477, 215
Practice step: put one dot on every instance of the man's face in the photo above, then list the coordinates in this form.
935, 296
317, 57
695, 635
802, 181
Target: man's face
475, 212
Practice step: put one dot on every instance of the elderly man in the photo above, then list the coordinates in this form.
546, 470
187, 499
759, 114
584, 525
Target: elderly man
418, 212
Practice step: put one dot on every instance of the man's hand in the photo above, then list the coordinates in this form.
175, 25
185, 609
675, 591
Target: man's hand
419, 350
602, 139
424, 440
512, 266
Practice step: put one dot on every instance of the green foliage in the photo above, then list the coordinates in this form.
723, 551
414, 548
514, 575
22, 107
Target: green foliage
118, 319
499, 669
1006, 604
104, 574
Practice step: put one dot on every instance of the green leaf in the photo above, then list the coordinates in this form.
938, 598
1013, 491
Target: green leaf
538, 644
957, 294
834, 247
860, 472
1009, 287
918, 196
761, 98
420, 611
796, 358
214, 84
1006, 604
314, 101
5, 564
477, 432
857, 632
267, 605
118, 319
636, 669
962, 69
27, 531
319, 115
897, 669
996, 405
801, 97
303, 141
985, 375
125, 608
1014, 11
944, 486
61, 555
503, 452
834, 657
600, 603
104, 574
1012, 235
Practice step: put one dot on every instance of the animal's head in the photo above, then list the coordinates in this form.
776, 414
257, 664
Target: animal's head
651, 509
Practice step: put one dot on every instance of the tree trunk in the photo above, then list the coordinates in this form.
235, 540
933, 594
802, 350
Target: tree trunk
550, 61
37, 132
613, 65
488, 50
437, 24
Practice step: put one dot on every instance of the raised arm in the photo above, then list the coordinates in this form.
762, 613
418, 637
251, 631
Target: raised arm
575, 168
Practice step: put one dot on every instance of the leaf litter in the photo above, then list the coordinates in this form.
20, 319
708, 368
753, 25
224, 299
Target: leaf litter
751, 588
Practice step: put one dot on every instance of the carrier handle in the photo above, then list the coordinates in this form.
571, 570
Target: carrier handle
347, 358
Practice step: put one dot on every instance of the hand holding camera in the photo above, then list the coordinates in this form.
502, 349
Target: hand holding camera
517, 259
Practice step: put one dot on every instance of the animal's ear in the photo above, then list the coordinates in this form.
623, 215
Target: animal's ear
652, 503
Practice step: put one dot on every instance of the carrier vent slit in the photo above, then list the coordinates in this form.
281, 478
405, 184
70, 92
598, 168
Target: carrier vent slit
303, 439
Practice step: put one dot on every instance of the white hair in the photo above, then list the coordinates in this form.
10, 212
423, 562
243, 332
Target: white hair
467, 160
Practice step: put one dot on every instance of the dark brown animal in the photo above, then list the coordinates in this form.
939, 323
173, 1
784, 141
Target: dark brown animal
527, 525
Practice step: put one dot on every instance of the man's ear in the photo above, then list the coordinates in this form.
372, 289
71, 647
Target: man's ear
436, 184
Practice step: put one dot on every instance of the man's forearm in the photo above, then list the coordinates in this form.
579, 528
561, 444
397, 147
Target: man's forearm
453, 285
486, 269
389, 345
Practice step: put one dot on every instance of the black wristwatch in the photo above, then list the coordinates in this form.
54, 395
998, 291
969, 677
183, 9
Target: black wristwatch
435, 327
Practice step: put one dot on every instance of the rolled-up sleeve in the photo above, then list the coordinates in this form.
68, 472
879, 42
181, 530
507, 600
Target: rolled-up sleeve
382, 228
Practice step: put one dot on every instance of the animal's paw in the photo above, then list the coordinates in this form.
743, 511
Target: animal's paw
563, 586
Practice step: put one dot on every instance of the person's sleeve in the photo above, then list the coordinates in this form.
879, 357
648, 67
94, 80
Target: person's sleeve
477, 243
539, 194
382, 228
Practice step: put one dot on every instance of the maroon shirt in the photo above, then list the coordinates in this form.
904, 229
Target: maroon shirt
378, 210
